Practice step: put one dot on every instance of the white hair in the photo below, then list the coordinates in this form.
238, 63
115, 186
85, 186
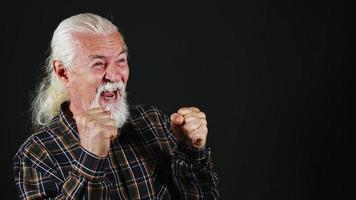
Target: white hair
51, 93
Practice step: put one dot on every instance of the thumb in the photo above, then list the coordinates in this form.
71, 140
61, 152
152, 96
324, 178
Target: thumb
176, 119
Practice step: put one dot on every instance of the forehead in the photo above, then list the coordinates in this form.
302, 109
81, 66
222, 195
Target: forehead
99, 44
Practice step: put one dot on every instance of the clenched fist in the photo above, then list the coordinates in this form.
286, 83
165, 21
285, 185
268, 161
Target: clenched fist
189, 126
96, 128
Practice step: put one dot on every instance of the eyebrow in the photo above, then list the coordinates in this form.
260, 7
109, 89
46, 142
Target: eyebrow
92, 57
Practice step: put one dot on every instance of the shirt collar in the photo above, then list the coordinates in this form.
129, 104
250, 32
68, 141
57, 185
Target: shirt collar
66, 122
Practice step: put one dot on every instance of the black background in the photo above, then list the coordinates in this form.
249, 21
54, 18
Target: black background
275, 79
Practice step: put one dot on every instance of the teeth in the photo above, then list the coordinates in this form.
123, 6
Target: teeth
109, 91
111, 87
109, 98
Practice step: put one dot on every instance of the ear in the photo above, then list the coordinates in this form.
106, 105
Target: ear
61, 72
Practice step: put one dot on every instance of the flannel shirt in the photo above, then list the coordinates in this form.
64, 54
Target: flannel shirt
144, 162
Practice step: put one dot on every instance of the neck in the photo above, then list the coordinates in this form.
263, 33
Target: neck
75, 109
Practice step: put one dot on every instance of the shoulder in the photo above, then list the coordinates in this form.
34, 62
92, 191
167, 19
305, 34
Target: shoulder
34, 145
30, 151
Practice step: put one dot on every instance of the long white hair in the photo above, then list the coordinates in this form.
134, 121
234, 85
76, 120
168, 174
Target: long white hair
51, 93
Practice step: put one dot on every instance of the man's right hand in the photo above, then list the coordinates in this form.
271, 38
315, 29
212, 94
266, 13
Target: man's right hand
96, 128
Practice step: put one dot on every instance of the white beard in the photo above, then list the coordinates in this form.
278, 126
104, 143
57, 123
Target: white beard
119, 111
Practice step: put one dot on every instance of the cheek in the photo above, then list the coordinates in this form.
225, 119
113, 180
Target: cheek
85, 84
125, 74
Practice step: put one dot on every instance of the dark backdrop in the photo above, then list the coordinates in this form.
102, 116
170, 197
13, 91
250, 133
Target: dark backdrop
274, 77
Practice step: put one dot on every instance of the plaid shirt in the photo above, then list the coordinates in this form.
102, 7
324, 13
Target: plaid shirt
144, 162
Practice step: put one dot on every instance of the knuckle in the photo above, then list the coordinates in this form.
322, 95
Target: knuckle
115, 134
181, 109
100, 109
194, 109
205, 129
196, 131
184, 110
189, 118
112, 120
203, 114
204, 122
107, 113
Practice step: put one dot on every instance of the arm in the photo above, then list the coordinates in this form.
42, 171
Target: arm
37, 176
193, 173
193, 176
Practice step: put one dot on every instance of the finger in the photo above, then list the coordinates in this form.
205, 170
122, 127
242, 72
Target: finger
95, 110
177, 119
185, 110
109, 132
107, 122
114, 137
194, 115
201, 130
198, 141
114, 134
101, 115
191, 119
92, 118
191, 126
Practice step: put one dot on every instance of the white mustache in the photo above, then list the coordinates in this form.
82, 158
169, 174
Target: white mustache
120, 86
111, 87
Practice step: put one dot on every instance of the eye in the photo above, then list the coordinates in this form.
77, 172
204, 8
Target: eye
98, 64
122, 60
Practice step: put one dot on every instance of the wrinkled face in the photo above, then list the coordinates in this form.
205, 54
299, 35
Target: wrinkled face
99, 59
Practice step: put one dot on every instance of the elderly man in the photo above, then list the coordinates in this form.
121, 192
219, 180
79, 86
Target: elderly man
90, 145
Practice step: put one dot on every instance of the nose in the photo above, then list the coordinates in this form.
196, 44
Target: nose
112, 73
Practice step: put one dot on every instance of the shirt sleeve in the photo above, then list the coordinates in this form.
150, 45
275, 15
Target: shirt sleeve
192, 169
37, 176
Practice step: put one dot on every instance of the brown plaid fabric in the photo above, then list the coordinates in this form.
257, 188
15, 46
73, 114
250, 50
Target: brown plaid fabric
144, 162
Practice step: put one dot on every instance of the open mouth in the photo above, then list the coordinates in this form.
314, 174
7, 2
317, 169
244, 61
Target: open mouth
109, 95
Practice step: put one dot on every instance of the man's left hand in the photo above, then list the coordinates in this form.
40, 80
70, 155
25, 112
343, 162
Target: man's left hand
189, 126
